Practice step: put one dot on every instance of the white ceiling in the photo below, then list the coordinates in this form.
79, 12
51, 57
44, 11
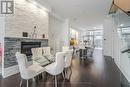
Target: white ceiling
81, 13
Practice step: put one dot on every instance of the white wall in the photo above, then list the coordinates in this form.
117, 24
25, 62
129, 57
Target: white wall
2, 26
26, 16
122, 60
113, 47
108, 37
58, 33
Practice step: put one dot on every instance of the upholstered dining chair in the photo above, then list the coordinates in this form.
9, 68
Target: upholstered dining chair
36, 53
37, 56
27, 72
57, 67
68, 62
47, 53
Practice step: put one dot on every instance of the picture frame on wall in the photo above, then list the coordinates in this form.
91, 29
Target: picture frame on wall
43, 35
25, 34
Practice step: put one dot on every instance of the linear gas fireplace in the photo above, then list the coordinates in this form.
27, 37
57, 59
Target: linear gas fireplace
27, 46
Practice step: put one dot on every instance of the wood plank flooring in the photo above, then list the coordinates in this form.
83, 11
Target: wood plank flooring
98, 71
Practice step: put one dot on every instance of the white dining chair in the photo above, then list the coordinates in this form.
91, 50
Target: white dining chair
36, 53
57, 67
27, 72
46, 50
68, 62
37, 56
47, 53
68, 58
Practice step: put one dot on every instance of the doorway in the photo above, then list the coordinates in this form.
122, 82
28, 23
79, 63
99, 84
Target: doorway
96, 38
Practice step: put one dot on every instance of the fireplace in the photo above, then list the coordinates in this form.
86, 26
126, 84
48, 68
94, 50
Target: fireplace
27, 46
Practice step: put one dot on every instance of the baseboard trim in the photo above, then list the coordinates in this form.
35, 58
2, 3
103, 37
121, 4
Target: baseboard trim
112, 59
10, 71
107, 56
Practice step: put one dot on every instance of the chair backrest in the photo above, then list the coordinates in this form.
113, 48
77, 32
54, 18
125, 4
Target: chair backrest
37, 52
60, 57
68, 58
22, 62
46, 51
65, 48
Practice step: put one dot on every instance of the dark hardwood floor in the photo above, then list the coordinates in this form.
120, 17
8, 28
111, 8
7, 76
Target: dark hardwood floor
98, 71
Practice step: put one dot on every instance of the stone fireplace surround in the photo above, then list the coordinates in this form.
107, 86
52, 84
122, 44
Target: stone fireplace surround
13, 45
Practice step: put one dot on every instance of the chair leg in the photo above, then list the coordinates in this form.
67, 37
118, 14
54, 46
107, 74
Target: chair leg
66, 72
70, 72
21, 82
55, 81
27, 83
37, 79
63, 74
42, 76
33, 79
